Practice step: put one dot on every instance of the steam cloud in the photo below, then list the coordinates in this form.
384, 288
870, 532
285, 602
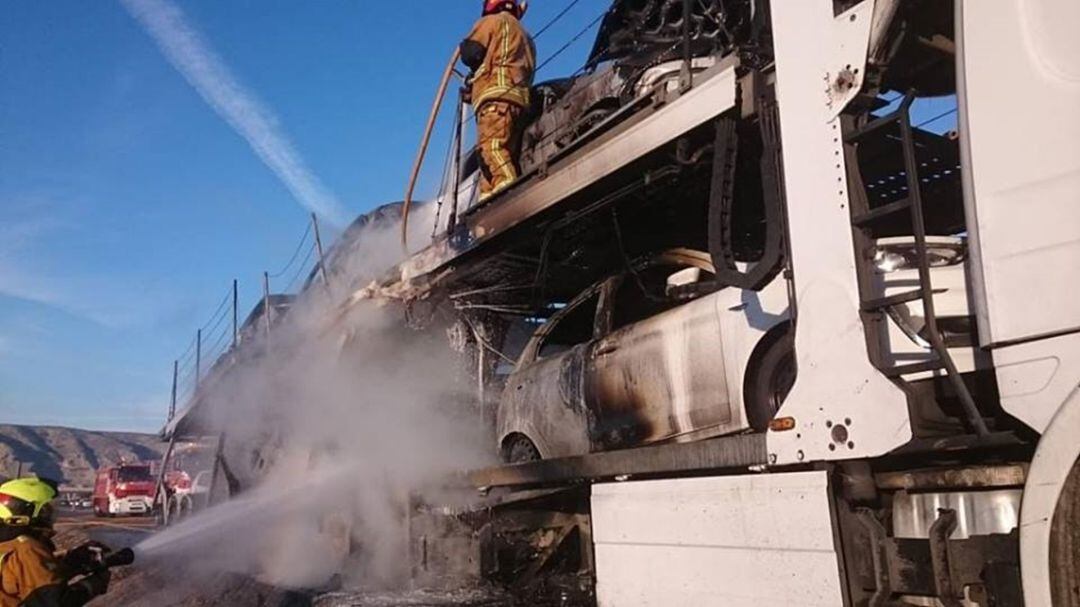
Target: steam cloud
335, 419
193, 57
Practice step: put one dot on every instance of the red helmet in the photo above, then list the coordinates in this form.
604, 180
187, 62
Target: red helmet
514, 7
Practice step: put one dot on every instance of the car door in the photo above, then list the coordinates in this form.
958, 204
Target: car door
657, 373
543, 398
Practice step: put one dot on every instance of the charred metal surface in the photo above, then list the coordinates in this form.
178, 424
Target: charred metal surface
881, 568
726, 453
972, 477
987, 565
878, 535
641, 32
535, 546
940, 558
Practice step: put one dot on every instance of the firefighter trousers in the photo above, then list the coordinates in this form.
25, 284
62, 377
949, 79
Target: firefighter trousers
498, 135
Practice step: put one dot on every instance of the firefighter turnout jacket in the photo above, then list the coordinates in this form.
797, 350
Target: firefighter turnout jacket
32, 576
502, 57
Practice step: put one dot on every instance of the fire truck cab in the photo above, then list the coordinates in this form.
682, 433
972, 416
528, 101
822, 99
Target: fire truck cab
124, 490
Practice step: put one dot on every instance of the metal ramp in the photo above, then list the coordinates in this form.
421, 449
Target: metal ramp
657, 119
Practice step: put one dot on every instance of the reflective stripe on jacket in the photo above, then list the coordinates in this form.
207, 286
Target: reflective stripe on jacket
506, 73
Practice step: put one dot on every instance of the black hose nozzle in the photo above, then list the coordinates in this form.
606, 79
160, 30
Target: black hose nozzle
120, 558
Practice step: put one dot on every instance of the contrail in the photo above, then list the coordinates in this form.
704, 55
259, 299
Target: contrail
193, 57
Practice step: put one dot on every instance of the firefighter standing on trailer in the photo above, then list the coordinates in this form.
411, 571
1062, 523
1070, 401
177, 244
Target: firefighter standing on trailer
31, 574
502, 58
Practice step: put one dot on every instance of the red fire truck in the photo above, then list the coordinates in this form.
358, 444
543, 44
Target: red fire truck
124, 489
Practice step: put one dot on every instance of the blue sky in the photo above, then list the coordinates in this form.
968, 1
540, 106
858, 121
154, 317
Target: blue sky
128, 203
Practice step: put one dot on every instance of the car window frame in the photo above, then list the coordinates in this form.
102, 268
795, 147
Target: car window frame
684, 257
532, 350
606, 288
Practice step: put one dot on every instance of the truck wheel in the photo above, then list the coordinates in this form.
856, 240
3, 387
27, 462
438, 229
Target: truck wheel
769, 380
186, 507
521, 450
175, 514
1065, 544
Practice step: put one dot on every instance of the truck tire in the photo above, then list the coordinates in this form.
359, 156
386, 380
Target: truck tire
175, 515
186, 507
769, 379
1065, 544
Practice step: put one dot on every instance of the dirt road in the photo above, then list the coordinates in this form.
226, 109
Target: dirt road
120, 532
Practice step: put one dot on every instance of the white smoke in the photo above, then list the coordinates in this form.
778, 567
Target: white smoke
335, 419
192, 56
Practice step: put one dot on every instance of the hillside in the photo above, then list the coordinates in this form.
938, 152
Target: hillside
68, 455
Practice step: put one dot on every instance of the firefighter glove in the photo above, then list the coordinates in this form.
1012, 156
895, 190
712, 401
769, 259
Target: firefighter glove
86, 558
95, 584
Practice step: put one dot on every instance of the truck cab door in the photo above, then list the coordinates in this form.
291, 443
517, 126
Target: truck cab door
1019, 98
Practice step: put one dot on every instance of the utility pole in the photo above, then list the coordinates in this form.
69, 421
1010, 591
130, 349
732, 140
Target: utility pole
175, 376
198, 357
235, 327
319, 249
266, 301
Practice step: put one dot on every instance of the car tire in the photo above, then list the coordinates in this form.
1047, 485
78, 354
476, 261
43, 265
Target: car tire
1065, 542
521, 450
769, 381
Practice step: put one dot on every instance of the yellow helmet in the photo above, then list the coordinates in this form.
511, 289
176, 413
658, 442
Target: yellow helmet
27, 502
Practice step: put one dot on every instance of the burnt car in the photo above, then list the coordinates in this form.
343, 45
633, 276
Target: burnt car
641, 45
648, 355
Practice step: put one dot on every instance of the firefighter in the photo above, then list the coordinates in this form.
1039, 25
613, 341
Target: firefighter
502, 59
31, 573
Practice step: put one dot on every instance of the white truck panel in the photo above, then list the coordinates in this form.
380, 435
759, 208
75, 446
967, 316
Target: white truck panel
733, 541
836, 380
1020, 126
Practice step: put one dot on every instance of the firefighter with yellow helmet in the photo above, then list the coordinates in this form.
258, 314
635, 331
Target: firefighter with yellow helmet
31, 573
502, 58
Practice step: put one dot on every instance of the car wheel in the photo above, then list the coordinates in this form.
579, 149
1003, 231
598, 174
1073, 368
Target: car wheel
521, 450
769, 381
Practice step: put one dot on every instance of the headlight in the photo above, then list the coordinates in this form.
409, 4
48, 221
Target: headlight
904, 256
